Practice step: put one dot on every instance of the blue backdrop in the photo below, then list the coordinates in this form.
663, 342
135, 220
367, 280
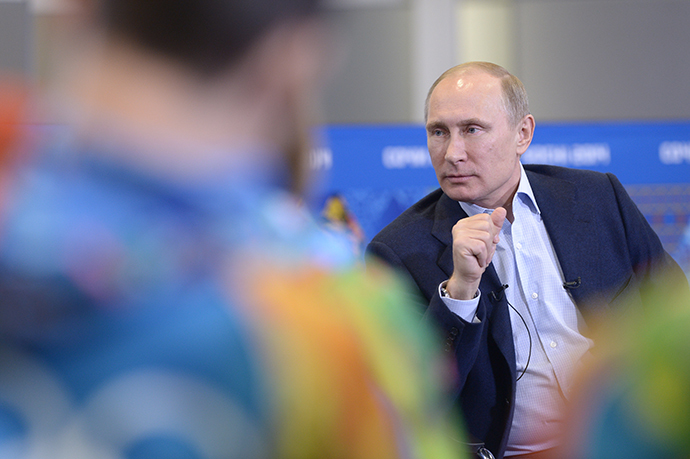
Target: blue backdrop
378, 171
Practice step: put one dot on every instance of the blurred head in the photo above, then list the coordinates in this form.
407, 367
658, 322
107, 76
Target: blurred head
473, 137
208, 36
228, 75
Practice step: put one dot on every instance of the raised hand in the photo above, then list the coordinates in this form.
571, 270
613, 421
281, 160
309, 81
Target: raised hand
474, 245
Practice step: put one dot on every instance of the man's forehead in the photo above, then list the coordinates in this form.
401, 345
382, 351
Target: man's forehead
459, 88
469, 79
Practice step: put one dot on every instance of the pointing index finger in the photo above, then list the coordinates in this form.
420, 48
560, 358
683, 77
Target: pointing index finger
498, 216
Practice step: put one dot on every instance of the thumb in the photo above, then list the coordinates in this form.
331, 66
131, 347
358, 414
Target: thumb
498, 216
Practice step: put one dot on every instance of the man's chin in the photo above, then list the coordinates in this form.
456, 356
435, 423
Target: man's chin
457, 193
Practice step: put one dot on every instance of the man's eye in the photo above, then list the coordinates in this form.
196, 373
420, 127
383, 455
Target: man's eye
437, 133
472, 130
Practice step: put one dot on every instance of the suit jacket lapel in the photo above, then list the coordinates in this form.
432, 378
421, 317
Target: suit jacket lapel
448, 212
568, 221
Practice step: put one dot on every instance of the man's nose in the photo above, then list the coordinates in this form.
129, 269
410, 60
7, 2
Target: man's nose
455, 151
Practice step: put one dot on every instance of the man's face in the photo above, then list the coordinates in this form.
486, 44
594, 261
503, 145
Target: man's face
474, 148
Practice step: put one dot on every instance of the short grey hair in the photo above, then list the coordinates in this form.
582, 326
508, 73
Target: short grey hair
514, 93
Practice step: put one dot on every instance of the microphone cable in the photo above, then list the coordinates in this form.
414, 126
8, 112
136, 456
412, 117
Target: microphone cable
529, 334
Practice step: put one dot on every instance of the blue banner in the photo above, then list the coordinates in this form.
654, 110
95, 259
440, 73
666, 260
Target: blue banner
367, 175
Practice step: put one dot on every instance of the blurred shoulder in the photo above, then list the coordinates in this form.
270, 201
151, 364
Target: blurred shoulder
418, 217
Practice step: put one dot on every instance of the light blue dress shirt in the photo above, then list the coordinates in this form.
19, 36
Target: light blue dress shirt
547, 326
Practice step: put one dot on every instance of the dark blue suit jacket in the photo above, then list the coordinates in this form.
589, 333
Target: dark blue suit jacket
604, 245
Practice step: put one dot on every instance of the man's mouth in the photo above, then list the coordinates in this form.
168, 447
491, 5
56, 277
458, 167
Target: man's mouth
458, 178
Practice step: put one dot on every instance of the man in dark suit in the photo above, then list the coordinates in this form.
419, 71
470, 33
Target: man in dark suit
510, 260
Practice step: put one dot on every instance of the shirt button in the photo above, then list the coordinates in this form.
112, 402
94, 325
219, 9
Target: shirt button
518, 245
553, 344
535, 295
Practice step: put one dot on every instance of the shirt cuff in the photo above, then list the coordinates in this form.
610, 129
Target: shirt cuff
465, 309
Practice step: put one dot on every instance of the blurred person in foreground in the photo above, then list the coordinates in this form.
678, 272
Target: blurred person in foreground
632, 401
511, 261
161, 294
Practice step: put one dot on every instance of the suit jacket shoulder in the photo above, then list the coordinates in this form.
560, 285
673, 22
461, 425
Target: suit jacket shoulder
602, 240
417, 243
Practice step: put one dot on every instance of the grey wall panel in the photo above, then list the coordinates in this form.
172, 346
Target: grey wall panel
605, 59
15, 38
374, 84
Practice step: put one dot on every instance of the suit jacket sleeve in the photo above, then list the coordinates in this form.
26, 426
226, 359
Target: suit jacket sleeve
652, 266
458, 336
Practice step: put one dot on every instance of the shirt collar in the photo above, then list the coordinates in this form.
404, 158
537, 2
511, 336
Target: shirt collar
524, 193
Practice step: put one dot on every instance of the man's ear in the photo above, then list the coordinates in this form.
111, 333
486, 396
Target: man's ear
294, 56
525, 133
287, 70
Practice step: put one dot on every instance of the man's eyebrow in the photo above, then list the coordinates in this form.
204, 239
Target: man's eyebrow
466, 122
435, 125
470, 121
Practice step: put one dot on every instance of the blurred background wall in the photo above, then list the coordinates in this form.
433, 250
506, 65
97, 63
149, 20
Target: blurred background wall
580, 59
